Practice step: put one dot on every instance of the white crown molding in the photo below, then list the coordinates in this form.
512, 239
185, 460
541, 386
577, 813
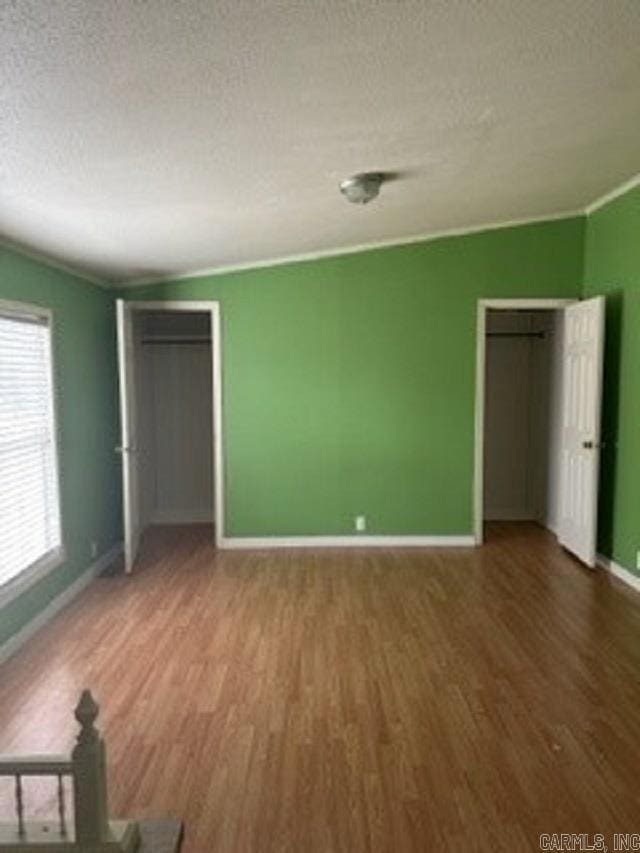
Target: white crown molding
619, 571
597, 203
235, 543
17, 640
335, 252
346, 250
43, 258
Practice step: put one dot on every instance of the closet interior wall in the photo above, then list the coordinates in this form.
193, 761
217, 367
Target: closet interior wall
175, 417
523, 416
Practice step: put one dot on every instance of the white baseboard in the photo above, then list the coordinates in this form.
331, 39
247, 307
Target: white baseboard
181, 516
17, 640
619, 571
362, 541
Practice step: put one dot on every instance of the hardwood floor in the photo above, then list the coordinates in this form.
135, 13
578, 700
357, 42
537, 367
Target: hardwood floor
405, 700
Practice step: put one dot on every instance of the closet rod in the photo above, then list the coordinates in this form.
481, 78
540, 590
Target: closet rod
517, 334
179, 341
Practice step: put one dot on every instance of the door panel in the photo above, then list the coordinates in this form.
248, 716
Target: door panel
128, 434
582, 394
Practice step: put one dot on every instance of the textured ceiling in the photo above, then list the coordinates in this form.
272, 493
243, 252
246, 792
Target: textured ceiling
141, 139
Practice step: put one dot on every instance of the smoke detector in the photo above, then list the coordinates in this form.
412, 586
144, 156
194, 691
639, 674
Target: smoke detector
362, 188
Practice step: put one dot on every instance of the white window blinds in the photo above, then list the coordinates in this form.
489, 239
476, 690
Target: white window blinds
29, 501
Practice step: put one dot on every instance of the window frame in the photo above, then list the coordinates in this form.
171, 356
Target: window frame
54, 558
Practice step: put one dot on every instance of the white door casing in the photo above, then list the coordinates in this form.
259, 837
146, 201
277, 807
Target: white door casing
128, 432
484, 305
127, 345
583, 353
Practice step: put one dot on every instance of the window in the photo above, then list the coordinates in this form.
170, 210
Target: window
30, 540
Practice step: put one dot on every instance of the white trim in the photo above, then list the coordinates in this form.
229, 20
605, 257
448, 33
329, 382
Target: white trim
213, 307
535, 304
551, 527
478, 458
619, 571
612, 195
17, 640
42, 258
425, 237
346, 250
21, 582
55, 429
481, 324
26, 310
218, 441
267, 542
172, 305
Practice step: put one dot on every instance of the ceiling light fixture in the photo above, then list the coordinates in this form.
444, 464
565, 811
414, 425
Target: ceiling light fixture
362, 188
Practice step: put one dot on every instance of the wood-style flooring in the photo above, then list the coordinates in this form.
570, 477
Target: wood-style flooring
402, 700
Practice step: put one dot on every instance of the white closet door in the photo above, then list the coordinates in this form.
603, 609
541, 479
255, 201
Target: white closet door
128, 432
582, 398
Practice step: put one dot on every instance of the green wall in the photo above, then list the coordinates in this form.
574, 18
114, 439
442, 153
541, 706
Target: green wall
85, 364
349, 381
612, 267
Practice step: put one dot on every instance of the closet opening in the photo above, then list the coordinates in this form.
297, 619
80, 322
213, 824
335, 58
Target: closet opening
538, 427
175, 417
520, 431
171, 419
522, 412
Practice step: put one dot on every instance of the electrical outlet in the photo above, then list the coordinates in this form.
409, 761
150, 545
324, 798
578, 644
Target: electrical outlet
361, 523
94, 550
